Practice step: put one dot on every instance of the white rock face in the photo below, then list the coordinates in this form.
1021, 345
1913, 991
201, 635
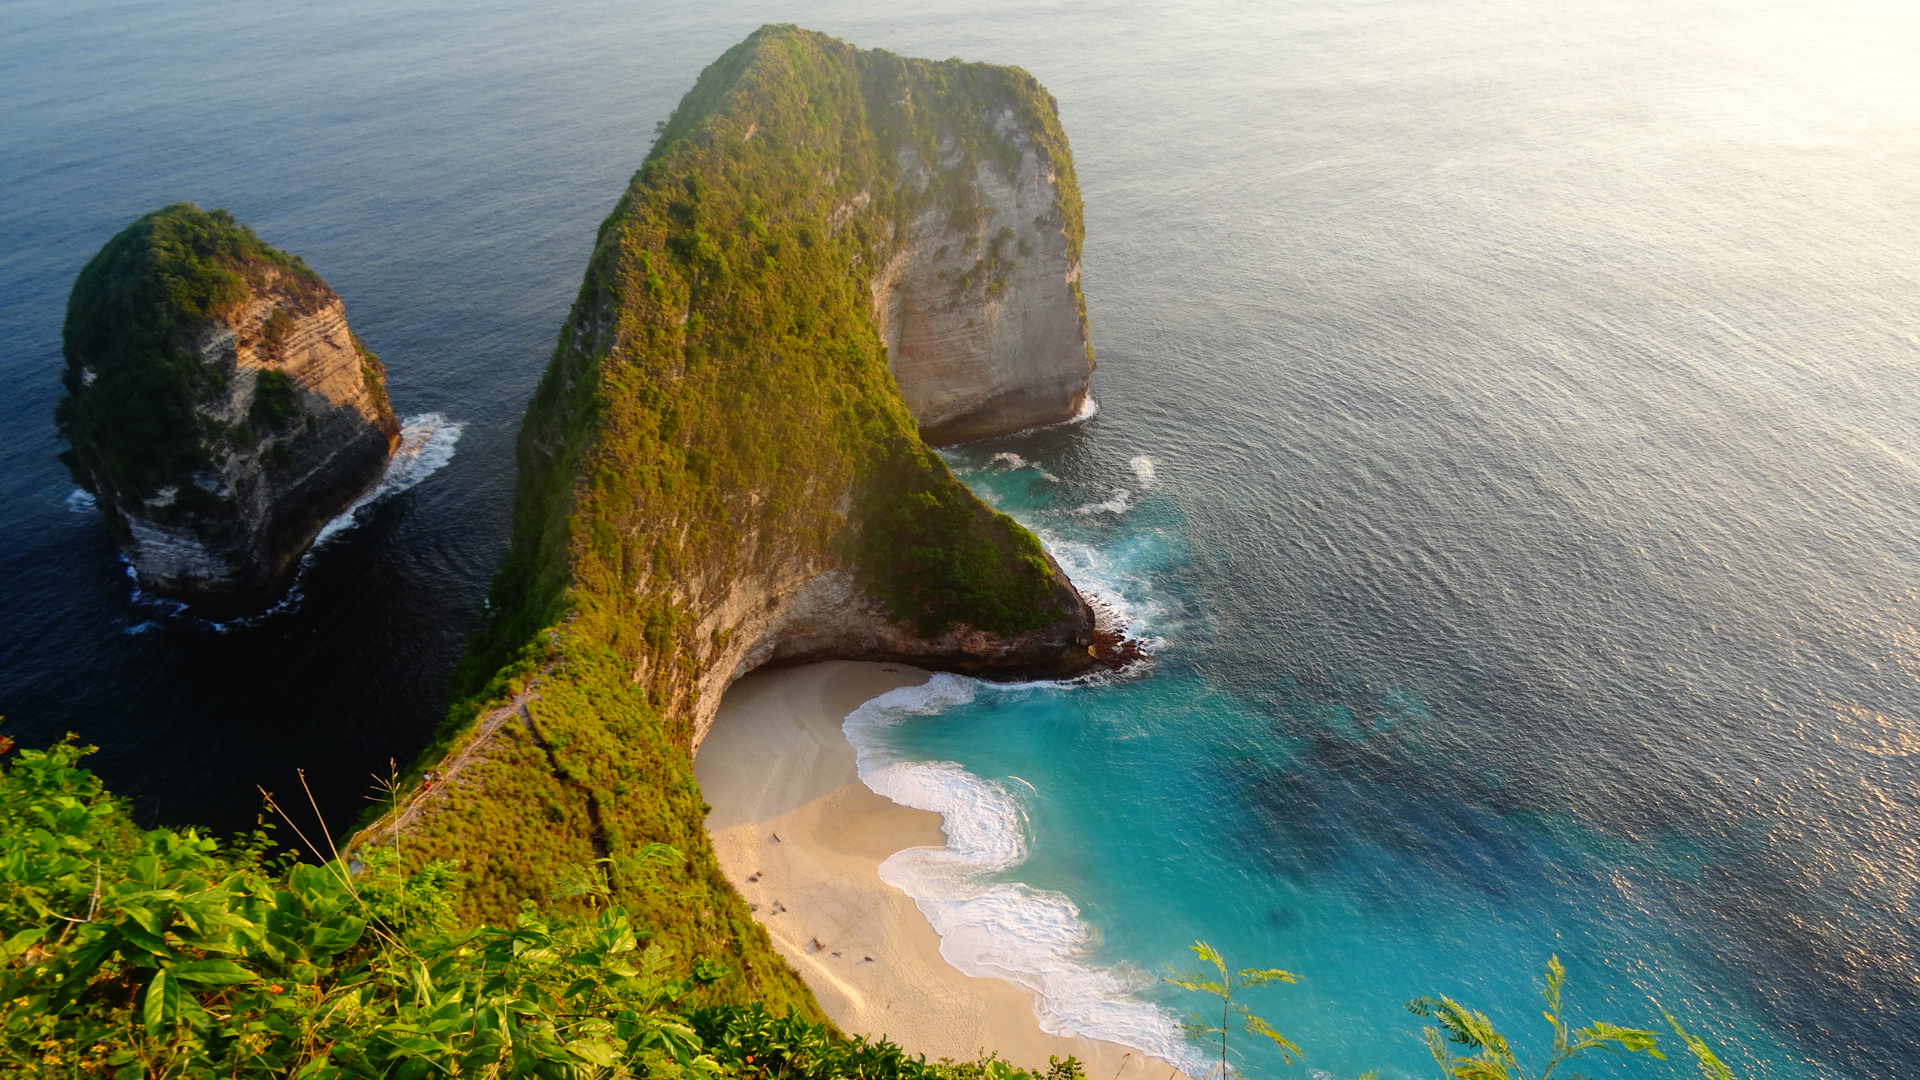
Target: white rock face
805, 613
280, 481
983, 325
337, 397
172, 554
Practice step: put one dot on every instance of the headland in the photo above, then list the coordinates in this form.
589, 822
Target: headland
723, 467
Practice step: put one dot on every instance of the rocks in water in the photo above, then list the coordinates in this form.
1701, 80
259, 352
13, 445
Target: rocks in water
217, 407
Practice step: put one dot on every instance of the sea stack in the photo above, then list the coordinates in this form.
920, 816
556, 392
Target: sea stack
217, 406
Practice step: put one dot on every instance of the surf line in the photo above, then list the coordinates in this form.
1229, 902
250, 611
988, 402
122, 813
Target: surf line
426, 445
988, 929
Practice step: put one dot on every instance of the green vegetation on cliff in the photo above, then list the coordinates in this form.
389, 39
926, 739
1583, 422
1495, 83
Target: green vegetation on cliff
129, 320
721, 370
719, 416
162, 955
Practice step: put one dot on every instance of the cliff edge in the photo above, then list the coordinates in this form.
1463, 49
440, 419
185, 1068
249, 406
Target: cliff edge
217, 407
719, 469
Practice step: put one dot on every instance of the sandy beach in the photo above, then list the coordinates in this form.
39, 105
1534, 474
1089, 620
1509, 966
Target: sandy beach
802, 839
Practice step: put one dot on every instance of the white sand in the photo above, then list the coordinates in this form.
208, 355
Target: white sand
777, 765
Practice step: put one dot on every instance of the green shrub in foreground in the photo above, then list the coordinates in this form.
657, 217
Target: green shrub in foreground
131, 953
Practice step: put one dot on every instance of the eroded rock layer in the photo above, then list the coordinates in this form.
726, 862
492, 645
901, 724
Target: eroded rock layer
980, 307
218, 407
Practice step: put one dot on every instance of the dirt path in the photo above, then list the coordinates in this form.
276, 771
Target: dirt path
450, 768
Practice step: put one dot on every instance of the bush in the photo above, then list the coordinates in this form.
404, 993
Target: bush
159, 954
275, 399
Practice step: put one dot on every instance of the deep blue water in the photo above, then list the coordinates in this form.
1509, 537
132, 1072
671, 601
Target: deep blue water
1531, 388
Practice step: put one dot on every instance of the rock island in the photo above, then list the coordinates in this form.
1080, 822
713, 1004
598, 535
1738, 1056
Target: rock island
217, 407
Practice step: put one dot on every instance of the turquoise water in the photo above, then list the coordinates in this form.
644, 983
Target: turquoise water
1168, 809
1530, 391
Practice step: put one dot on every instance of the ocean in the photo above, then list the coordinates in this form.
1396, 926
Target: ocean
1506, 432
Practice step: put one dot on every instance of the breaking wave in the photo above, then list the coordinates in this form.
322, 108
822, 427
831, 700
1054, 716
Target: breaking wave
1119, 504
1015, 461
1088, 410
1032, 937
426, 444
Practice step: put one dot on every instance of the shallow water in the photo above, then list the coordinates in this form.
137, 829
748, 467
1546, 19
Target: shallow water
1528, 393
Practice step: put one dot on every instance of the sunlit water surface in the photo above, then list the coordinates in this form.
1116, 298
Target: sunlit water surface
1528, 393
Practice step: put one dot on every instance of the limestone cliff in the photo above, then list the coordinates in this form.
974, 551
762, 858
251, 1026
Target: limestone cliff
980, 307
737, 468
217, 406
719, 470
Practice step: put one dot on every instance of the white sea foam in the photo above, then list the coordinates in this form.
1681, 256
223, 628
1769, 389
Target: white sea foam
1119, 504
1146, 469
1015, 461
82, 502
1088, 410
993, 929
1095, 573
426, 444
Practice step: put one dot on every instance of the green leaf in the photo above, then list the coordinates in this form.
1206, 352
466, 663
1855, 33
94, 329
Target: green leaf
21, 942
338, 934
1211, 955
141, 938
1710, 1064
1626, 1040
162, 1004
1289, 1051
596, 1052
1462, 1025
143, 916
211, 973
